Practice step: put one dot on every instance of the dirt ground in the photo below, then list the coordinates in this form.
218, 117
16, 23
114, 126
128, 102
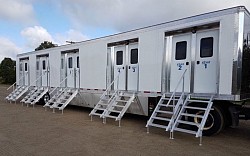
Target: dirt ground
28, 131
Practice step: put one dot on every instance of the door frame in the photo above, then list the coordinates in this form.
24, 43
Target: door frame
167, 58
110, 75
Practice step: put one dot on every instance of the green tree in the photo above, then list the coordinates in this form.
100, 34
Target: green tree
45, 45
8, 71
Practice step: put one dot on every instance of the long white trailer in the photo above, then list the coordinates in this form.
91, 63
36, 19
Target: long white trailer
180, 64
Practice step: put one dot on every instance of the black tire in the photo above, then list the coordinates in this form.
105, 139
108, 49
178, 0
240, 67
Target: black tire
215, 122
218, 123
44, 99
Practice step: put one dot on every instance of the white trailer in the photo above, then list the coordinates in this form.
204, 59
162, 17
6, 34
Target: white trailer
193, 65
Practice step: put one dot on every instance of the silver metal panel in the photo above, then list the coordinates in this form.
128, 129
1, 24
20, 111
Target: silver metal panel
237, 62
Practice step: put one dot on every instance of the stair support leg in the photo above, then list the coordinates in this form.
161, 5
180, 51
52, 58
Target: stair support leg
119, 123
172, 135
104, 120
148, 130
200, 144
53, 110
62, 111
91, 117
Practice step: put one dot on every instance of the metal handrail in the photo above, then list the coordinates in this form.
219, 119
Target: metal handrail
178, 102
59, 85
15, 83
110, 85
36, 80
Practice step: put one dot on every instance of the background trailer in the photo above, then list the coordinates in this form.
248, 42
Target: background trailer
192, 71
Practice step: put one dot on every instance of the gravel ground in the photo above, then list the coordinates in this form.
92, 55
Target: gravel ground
28, 131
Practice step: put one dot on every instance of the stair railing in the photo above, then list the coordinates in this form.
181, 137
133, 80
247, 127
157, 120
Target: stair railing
110, 86
179, 102
14, 84
34, 82
59, 85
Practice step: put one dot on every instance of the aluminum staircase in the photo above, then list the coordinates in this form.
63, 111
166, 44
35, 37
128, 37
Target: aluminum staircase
118, 106
103, 104
181, 113
166, 110
54, 98
113, 106
35, 95
62, 99
197, 113
17, 93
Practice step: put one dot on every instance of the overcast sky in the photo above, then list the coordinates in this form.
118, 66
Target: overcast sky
24, 24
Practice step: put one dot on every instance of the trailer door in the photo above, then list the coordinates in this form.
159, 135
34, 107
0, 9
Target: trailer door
119, 67
44, 71
38, 72
26, 72
73, 70
21, 73
181, 49
205, 68
133, 67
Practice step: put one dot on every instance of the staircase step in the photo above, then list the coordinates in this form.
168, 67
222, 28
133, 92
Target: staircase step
158, 125
192, 115
200, 101
197, 108
121, 100
125, 96
160, 118
166, 98
185, 130
115, 111
118, 106
110, 116
97, 114
166, 112
188, 123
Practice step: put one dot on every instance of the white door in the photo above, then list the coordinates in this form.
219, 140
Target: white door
21, 73
133, 67
119, 67
73, 72
44, 71
38, 72
181, 61
205, 68
26, 72
63, 70
77, 72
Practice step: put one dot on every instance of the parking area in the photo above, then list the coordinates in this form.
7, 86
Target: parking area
28, 131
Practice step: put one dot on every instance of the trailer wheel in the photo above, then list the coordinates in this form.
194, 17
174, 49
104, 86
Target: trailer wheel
215, 122
45, 98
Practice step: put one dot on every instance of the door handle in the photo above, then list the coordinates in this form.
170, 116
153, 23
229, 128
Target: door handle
122, 67
187, 63
128, 67
198, 62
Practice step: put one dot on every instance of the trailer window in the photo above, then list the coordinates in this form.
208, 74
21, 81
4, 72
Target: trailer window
44, 65
37, 65
70, 62
26, 67
206, 49
134, 56
119, 57
77, 62
62, 63
181, 50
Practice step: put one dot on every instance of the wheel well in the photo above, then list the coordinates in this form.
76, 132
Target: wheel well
224, 107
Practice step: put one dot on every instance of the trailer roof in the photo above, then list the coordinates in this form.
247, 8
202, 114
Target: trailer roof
169, 23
